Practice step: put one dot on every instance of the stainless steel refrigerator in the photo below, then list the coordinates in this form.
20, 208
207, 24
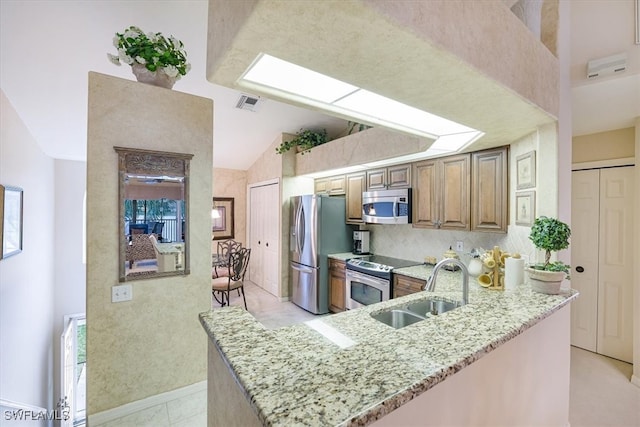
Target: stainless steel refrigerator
317, 228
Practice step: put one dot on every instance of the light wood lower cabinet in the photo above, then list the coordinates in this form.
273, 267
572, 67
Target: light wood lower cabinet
337, 285
405, 285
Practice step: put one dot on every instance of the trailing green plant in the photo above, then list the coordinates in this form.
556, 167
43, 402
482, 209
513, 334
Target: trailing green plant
306, 139
352, 126
550, 235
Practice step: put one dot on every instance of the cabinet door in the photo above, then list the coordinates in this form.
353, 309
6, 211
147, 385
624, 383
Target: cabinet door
337, 286
425, 194
321, 186
376, 179
405, 285
355, 186
454, 200
399, 176
336, 185
489, 190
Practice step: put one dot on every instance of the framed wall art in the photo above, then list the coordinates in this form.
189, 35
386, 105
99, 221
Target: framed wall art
526, 170
11, 220
525, 208
222, 218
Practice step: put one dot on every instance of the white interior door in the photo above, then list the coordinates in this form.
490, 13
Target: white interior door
585, 212
271, 232
615, 296
68, 342
265, 237
255, 231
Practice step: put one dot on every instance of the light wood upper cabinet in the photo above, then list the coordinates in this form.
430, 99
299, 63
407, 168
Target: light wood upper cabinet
337, 285
333, 186
441, 193
490, 190
355, 185
398, 176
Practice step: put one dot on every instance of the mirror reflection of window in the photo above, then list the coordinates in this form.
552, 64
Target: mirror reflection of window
153, 209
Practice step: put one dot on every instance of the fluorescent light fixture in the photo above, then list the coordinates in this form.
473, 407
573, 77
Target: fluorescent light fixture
276, 73
332, 172
386, 109
290, 81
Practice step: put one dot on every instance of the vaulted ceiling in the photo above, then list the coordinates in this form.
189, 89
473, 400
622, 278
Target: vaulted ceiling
48, 48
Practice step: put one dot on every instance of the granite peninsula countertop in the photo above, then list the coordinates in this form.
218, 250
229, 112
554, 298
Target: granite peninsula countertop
348, 369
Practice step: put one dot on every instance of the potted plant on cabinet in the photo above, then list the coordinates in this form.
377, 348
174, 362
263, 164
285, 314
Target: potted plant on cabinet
550, 235
304, 141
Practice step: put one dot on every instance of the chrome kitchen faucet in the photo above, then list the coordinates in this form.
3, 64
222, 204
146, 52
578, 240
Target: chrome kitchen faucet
430, 285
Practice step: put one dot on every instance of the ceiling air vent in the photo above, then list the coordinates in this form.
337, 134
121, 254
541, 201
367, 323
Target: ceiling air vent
249, 102
604, 66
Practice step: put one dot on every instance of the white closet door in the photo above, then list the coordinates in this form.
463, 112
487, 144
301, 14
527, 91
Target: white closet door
255, 262
615, 297
265, 237
585, 212
271, 233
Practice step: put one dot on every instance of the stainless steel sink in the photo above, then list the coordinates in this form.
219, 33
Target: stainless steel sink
415, 312
431, 306
397, 318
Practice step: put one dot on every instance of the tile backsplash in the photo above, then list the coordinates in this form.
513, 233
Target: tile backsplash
404, 241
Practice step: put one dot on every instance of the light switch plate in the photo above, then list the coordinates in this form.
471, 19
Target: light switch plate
459, 246
121, 293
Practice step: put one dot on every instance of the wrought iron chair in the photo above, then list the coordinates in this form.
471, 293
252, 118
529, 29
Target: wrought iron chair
222, 286
220, 262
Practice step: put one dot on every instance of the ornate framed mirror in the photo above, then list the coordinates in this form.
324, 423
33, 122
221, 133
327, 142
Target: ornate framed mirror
153, 213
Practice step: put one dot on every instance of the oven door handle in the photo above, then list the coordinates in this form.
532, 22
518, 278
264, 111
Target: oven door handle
365, 278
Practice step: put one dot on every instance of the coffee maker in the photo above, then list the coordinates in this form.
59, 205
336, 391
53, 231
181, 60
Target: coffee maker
361, 242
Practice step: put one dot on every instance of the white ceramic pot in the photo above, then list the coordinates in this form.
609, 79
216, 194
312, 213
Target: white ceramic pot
545, 282
155, 78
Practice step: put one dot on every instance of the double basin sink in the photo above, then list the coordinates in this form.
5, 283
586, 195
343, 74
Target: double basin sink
414, 312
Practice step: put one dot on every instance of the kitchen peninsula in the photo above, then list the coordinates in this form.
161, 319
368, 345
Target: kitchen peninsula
509, 351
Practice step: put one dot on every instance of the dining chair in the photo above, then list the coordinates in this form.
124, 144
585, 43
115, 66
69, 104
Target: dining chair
222, 286
220, 262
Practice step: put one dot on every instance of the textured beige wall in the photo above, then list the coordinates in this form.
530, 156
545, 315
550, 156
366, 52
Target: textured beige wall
233, 183
154, 343
614, 144
268, 166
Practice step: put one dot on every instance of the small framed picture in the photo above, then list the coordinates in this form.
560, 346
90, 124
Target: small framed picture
222, 218
525, 208
10, 220
526, 170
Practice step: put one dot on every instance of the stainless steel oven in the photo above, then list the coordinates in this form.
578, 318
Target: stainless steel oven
369, 279
363, 289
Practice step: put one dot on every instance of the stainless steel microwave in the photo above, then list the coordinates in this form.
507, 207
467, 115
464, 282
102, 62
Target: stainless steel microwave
387, 206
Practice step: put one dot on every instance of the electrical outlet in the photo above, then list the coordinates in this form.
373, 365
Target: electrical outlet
459, 246
121, 293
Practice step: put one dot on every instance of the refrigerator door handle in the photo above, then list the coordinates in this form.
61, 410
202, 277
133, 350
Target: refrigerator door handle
301, 228
302, 268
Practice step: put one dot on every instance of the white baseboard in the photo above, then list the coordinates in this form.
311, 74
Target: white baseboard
133, 407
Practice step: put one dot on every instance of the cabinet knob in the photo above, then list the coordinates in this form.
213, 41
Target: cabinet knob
267, 244
258, 241
580, 269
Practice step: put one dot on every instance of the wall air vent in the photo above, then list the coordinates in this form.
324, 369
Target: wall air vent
249, 102
605, 66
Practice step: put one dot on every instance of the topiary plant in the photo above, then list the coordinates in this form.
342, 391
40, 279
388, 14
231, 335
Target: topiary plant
550, 235
306, 139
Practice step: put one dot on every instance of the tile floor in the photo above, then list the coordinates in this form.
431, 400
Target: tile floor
601, 394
